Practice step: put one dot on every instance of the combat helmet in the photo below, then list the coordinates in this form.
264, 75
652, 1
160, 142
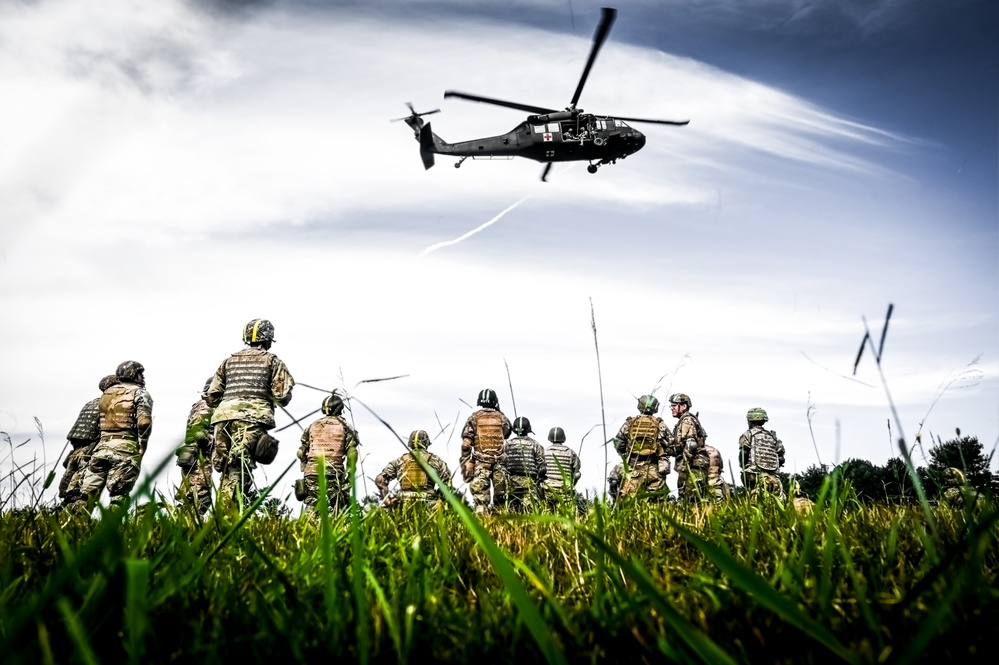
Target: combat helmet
757, 414
258, 330
418, 439
680, 398
522, 426
952, 477
130, 371
333, 405
648, 404
107, 382
487, 397
556, 435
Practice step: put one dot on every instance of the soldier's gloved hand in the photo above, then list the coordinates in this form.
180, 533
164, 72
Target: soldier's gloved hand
468, 470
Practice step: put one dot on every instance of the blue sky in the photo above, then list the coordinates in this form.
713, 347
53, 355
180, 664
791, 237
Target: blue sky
168, 174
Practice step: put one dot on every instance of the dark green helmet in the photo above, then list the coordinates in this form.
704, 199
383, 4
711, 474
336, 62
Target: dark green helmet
130, 371
679, 398
522, 426
107, 382
487, 397
648, 404
556, 435
208, 384
333, 405
419, 439
757, 414
258, 330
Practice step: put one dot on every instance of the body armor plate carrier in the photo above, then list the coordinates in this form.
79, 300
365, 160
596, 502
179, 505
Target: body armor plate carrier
412, 477
248, 374
327, 438
643, 434
765, 454
488, 434
118, 409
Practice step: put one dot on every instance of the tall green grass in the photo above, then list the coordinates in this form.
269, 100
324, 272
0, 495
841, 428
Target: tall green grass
736, 583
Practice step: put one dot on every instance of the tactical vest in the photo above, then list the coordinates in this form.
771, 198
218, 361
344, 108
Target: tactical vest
412, 477
87, 427
560, 462
248, 375
643, 434
488, 433
327, 438
764, 450
117, 407
715, 464
518, 457
700, 436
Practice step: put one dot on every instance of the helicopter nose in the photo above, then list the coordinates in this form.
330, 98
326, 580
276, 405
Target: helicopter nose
639, 140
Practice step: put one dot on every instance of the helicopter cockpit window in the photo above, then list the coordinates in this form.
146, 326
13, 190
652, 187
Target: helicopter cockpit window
620, 123
552, 127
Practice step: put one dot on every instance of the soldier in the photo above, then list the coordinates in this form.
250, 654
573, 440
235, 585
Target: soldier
415, 484
482, 439
801, 503
83, 436
644, 444
690, 438
126, 417
522, 469
244, 391
332, 440
957, 492
194, 457
761, 455
614, 479
563, 469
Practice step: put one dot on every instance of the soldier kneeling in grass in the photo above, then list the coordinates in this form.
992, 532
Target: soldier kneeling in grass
415, 484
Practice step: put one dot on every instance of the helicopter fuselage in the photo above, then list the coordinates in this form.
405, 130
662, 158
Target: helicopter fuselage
553, 137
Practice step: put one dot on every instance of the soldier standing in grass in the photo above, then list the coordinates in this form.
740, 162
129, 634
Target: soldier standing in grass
83, 436
194, 457
644, 444
957, 493
126, 418
614, 479
415, 484
690, 439
332, 443
563, 470
761, 455
244, 391
482, 439
522, 469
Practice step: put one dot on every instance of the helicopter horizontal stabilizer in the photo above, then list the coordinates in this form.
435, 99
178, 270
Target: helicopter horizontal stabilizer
427, 148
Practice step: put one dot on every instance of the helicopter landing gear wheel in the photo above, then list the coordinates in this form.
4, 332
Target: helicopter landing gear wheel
592, 168
458, 163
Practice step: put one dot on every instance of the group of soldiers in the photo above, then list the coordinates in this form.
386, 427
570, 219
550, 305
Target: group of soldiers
228, 433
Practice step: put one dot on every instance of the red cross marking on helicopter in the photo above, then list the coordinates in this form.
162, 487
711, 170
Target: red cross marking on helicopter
547, 136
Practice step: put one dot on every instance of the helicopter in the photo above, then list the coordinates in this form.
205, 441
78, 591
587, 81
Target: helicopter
547, 135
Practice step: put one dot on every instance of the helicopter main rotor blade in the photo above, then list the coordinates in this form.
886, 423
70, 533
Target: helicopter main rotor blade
654, 122
498, 102
599, 37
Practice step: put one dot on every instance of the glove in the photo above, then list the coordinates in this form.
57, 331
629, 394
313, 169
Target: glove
468, 470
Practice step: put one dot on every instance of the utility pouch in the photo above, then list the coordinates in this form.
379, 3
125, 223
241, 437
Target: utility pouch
300, 492
266, 449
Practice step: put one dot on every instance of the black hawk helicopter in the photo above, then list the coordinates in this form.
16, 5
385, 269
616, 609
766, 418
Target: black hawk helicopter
548, 135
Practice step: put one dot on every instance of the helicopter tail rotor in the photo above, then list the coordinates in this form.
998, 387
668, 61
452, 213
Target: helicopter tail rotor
414, 119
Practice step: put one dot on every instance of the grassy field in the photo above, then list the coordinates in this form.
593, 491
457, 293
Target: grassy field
739, 583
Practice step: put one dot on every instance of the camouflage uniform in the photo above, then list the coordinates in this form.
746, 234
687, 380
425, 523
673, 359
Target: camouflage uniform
691, 454
332, 440
245, 389
83, 437
714, 486
415, 484
563, 471
482, 438
194, 458
644, 443
614, 479
761, 454
126, 420
522, 470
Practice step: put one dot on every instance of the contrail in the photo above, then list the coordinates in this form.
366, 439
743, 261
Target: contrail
471, 233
